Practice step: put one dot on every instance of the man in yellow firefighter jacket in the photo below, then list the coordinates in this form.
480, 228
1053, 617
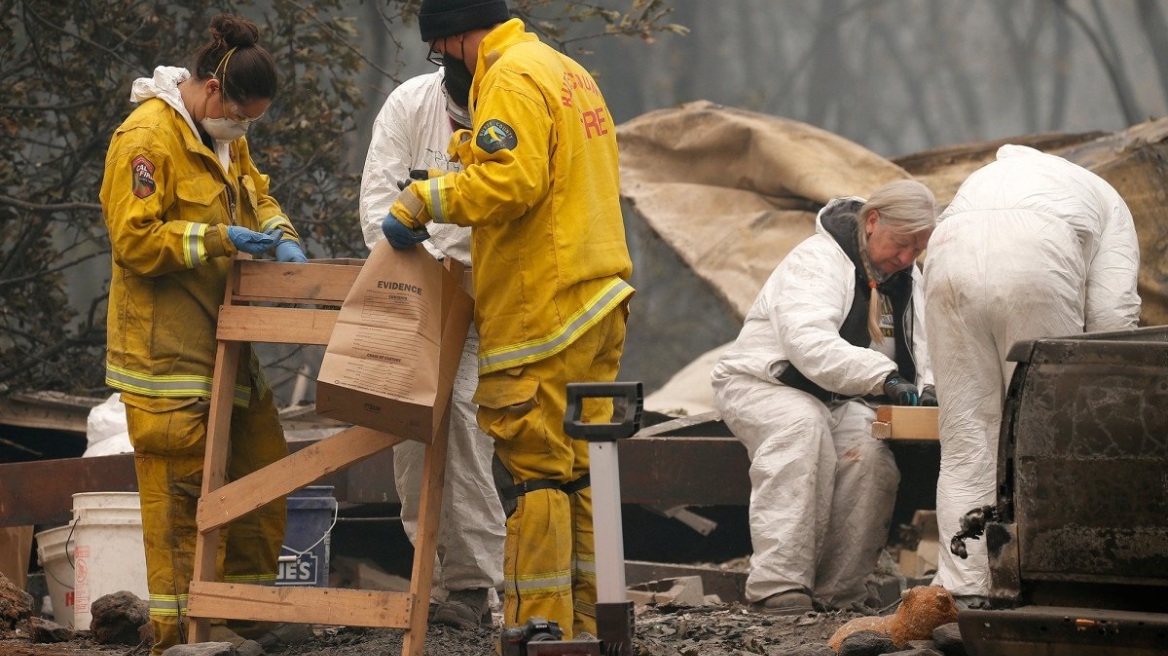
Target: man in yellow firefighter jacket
181, 196
540, 190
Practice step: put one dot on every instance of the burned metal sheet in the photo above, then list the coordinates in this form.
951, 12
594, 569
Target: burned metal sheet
1058, 631
1083, 460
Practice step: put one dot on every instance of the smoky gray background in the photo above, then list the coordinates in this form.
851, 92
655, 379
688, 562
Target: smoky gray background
896, 76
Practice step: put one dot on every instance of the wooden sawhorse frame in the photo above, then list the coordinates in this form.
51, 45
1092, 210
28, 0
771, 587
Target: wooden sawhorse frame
312, 285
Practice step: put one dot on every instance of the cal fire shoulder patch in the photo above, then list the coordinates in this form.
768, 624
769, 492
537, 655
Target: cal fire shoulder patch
143, 176
495, 135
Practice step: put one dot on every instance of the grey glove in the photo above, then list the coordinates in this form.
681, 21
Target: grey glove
929, 396
901, 391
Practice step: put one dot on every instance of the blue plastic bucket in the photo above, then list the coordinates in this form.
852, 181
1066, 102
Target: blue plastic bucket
304, 556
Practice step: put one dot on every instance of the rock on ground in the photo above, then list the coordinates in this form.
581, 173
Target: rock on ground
711, 630
15, 604
119, 618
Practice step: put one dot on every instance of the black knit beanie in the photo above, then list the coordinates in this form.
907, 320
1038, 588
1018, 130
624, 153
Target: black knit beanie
442, 18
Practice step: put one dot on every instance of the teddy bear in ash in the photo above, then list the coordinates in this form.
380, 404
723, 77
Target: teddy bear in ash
921, 610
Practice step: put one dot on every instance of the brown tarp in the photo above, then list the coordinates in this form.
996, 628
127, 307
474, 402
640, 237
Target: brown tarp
732, 191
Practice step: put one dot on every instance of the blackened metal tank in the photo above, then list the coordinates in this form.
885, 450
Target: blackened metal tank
1079, 551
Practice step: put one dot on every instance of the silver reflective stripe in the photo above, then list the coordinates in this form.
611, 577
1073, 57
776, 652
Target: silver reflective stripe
194, 251
158, 385
275, 222
544, 583
168, 386
513, 356
168, 606
436, 201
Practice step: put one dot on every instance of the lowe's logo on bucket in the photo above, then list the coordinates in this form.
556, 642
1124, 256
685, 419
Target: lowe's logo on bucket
302, 569
304, 556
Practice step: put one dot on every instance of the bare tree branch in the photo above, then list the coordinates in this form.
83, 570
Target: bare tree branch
1117, 77
47, 208
1156, 31
344, 41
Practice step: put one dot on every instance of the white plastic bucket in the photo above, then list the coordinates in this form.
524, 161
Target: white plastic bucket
53, 557
108, 554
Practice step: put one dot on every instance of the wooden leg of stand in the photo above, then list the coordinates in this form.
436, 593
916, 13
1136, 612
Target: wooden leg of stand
15, 550
214, 471
429, 511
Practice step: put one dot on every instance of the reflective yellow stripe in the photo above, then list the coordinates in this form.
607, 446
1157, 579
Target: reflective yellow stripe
168, 605
585, 568
555, 582
581, 607
195, 252
275, 222
253, 579
282, 223
436, 187
172, 386
593, 311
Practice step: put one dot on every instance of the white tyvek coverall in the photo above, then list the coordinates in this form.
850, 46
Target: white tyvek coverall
412, 131
822, 488
1032, 246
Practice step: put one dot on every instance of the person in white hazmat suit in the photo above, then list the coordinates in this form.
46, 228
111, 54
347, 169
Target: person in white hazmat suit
836, 330
412, 132
1032, 246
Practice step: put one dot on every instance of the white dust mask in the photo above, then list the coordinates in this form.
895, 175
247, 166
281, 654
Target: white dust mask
224, 129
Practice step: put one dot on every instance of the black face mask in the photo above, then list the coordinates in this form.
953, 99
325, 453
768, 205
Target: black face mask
457, 80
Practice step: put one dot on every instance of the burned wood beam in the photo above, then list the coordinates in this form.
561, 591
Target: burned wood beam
658, 471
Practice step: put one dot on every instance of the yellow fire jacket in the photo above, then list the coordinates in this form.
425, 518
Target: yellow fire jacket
167, 203
541, 188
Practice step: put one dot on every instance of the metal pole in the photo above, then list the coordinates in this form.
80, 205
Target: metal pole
606, 506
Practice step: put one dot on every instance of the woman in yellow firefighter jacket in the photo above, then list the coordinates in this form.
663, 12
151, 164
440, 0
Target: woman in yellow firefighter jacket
181, 196
540, 188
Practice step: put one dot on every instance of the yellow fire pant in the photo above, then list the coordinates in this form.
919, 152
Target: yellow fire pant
549, 563
169, 437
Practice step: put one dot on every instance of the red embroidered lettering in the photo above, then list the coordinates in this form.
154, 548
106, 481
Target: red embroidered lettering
566, 90
594, 120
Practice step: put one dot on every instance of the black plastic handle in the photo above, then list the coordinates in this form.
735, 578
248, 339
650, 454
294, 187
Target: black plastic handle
603, 431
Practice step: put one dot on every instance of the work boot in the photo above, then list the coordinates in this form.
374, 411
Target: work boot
464, 609
792, 602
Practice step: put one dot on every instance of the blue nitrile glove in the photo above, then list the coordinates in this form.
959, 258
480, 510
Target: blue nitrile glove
929, 395
901, 391
250, 241
287, 250
401, 236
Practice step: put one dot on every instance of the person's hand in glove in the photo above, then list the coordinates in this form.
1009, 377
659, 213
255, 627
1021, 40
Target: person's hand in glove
929, 395
901, 391
287, 250
419, 174
401, 236
250, 241
405, 225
